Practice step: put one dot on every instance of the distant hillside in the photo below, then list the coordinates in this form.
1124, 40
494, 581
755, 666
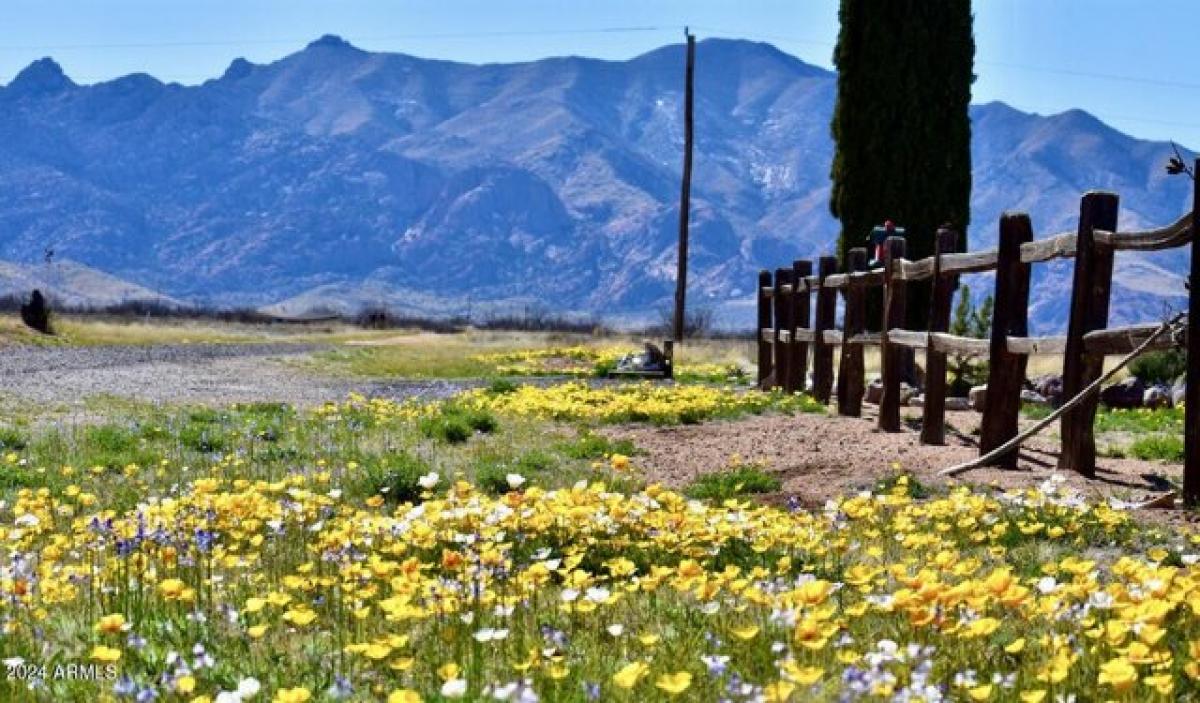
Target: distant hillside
74, 284
341, 176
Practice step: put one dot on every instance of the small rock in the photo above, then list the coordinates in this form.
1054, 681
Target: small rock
1033, 397
1124, 395
1156, 397
957, 402
917, 401
874, 392
1050, 387
977, 397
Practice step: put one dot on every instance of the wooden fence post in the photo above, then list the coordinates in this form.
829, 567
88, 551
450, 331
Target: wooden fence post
893, 318
1010, 317
850, 383
783, 326
933, 417
1089, 311
764, 323
826, 311
1191, 395
801, 312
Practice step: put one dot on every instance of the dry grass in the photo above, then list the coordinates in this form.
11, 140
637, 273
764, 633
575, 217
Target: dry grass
92, 331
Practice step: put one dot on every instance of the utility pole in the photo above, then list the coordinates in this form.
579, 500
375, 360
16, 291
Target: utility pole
686, 192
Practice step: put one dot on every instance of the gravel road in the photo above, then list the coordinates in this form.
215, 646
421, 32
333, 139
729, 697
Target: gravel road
189, 373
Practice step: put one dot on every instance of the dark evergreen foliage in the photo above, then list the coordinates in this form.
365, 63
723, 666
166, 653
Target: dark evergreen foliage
36, 313
900, 125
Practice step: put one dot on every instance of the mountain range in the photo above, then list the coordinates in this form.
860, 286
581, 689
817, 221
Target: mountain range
337, 177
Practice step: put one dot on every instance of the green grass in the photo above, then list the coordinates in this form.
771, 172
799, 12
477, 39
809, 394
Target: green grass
123, 458
1158, 448
1112, 420
737, 481
595, 446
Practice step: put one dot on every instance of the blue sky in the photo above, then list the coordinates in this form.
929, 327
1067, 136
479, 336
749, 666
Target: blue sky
1133, 63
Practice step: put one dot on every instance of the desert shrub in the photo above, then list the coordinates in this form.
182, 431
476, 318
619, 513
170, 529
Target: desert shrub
502, 386
741, 480
396, 477
202, 437
1159, 366
493, 478
480, 420
11, 439
451, 429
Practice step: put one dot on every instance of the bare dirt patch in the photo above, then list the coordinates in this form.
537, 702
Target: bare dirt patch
818, 457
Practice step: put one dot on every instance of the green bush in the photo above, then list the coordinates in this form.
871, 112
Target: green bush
396, 477
203, 438
1159, 366
481, 421
502, 386
493, 478
741, 480
604, 367
451, 429
109, 439
11, 439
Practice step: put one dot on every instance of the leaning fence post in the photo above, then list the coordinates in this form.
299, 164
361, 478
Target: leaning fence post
1191, 394
783, 326
764, 326
1010, 317
850, 382
801, 270
823, 352
1089, 311
933, 417
892, 361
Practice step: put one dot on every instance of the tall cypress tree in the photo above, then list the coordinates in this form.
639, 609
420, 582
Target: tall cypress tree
900, 125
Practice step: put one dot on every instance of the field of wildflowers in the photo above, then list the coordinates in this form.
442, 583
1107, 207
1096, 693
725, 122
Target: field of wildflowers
493, 547
585, 360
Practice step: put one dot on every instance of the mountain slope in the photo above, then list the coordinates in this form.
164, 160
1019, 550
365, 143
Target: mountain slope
346, 176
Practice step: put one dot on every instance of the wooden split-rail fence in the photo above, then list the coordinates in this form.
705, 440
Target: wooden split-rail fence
789, 328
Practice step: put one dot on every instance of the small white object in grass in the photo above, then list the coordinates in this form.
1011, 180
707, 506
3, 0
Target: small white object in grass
515, 480
429, 480
247, 687
454, 688
616, 629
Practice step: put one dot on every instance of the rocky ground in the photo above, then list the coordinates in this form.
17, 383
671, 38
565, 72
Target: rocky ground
188, 373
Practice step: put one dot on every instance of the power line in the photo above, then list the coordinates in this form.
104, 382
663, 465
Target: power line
997, 64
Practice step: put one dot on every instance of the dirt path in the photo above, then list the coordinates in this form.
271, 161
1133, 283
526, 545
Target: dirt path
188, 373
819, 457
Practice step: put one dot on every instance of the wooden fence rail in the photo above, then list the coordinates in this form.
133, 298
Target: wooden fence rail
787, 332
